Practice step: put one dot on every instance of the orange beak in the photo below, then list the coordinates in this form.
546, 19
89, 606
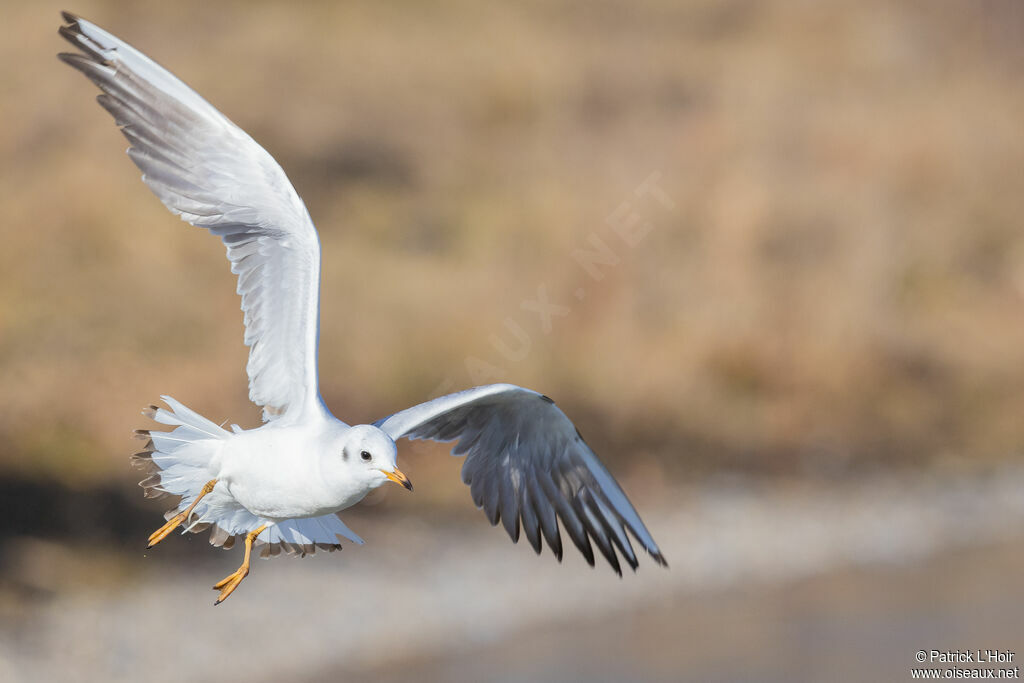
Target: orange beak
399, 478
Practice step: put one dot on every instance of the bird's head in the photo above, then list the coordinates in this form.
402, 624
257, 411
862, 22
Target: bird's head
371, 455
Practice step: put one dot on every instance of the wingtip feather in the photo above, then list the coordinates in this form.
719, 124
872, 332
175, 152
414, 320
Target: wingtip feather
511, 524
74, 59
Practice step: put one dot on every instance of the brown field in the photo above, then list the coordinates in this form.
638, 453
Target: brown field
840, 281
828, 283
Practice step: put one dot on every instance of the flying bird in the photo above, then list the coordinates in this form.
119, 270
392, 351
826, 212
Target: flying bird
280, 486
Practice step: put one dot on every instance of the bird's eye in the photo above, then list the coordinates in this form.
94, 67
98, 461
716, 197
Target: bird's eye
365, 455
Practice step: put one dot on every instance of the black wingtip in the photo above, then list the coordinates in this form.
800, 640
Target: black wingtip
71, 58
511, 525
550, 400
71, 28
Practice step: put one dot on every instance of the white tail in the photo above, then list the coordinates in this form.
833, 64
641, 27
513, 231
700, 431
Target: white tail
178, 461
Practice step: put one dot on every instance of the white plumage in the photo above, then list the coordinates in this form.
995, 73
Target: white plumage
281, 485
211, 173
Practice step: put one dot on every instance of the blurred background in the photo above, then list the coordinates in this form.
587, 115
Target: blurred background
769, 256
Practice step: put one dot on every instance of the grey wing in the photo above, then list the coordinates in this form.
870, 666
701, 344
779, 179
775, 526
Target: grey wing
527, 463
211, 173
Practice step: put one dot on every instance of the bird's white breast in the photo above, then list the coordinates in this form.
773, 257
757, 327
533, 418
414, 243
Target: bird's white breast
278, 473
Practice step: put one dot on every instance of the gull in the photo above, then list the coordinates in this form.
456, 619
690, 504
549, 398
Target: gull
280, 486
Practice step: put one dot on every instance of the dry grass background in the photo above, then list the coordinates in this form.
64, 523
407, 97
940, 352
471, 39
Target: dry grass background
839, 285
836, 297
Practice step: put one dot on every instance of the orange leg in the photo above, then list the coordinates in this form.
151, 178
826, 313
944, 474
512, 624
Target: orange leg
229, 583
180, 518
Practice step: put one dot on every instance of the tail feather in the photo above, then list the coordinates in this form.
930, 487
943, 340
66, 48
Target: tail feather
305, 536
143, 461
183, 416
178, 462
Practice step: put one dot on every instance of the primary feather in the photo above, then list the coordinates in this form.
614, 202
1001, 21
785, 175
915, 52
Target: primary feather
211, 173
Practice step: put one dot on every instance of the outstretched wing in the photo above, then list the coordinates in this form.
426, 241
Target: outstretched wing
211, 173
526, 462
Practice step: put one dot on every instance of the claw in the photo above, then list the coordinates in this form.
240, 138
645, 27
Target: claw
180, 518
162, 533
229, 583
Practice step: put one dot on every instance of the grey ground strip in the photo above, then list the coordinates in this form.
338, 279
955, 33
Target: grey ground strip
421, 589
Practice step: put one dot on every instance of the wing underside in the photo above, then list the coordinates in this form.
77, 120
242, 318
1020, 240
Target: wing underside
213, 175
528, 467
